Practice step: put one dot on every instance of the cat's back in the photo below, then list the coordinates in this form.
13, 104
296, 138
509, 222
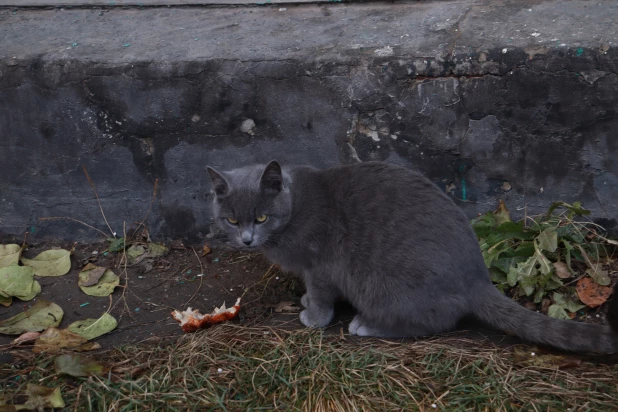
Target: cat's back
384, 213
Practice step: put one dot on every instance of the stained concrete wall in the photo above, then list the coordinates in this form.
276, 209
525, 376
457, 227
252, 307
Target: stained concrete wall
511, 100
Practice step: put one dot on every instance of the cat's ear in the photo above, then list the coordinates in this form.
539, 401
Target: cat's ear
219, 183
271, 179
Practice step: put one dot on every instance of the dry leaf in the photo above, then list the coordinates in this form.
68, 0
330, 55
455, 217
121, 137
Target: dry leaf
592, 294
77, 365
90, 275
205, 250
525, 357
26, 337
53, 340
287, 307
562, 270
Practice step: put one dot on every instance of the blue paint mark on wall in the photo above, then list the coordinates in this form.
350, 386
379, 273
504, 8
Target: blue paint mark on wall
464, 189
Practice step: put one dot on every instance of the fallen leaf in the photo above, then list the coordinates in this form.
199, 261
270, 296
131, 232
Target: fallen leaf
93, 328
525, 357
40, 397
562, 270
157, 250
6, 301
90, 275
287, 307
36, 289
591, 293
77, 365
55, 262
206, 250
16, 281
134, 252
42, 315
105, 285
26, 337
88, 346
9, 255
53, 340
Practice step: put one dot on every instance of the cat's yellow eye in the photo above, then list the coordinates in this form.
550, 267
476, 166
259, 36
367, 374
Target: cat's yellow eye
232, 221
261, 219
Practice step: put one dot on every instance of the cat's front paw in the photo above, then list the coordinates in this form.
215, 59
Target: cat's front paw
305, 300
316, 318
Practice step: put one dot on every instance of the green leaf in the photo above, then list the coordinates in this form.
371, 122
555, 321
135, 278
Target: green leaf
524, 249
42, 315
16, 281
538, 296
93, 328
497, 276
599, 275
117, 245
77, 365
558, 312
482, 225
575, 209
494, 252
548, 240
36, 289
505, 264
55, 262
104, 286
9, 255
561, 305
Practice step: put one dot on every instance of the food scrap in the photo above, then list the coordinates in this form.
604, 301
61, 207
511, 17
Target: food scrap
191, 320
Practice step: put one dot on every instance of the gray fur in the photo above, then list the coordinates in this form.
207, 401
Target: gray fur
386, 240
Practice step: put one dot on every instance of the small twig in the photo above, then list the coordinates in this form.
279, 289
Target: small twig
79, 392
166, 279
98, 200
201, 277
154, 194
74, 220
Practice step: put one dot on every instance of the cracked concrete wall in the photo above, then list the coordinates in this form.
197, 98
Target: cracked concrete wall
526, 122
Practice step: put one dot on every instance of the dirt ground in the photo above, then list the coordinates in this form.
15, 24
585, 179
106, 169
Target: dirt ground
155, 287
188, 277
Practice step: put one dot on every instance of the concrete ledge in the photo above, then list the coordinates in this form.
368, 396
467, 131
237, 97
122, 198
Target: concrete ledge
472, 93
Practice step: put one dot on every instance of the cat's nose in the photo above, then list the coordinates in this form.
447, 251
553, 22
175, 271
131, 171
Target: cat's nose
247, 242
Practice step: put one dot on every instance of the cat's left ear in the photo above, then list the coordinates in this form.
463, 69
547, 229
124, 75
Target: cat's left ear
219, 183
271, 179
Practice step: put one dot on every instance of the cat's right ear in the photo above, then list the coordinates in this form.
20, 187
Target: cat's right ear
219, 183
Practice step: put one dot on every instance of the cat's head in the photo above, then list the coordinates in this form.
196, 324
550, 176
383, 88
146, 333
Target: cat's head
251, 204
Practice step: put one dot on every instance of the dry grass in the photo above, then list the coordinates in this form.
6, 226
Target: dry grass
237, 368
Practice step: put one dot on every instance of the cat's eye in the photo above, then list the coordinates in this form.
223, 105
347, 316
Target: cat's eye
261, 219
232, 221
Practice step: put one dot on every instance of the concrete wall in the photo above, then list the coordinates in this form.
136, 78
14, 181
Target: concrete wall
489, 100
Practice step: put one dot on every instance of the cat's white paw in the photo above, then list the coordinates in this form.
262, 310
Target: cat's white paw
311, 319
305, 301
354, 325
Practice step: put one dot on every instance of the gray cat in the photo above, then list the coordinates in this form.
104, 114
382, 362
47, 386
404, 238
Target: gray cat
388, 241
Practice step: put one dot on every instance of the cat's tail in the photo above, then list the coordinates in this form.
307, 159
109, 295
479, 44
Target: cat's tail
506, 315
